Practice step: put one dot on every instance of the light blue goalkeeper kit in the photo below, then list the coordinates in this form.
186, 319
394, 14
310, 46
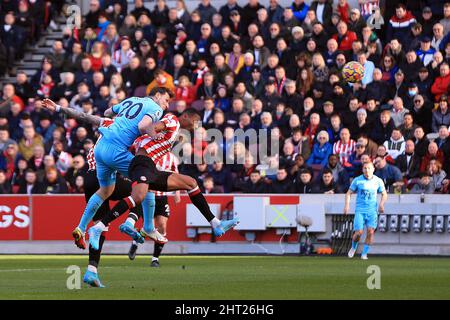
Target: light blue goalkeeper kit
366, 211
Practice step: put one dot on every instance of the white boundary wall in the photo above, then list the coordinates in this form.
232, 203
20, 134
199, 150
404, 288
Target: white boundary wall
257, 215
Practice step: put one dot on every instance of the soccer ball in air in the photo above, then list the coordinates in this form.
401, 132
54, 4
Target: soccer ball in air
353, 72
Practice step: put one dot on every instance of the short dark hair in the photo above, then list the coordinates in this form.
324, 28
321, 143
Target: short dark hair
305, 171
191, 113
295, 130
161, 90
408, 114
28, 170
424, 174
336, 115
327, 171
364, 136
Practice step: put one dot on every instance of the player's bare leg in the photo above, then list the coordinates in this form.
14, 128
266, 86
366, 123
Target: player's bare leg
368, 243
355, 241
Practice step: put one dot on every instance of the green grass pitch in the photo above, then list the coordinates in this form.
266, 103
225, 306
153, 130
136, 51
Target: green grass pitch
228, 277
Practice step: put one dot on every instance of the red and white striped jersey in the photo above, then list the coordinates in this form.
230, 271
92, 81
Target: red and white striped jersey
105, 122
158, 147
168, 162
368, 7
344, 150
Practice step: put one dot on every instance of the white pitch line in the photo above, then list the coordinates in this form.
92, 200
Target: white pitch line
50, 269
25, 270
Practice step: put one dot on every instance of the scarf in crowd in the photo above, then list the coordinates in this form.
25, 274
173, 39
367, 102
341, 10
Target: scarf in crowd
233, 61
200, 73
280, 85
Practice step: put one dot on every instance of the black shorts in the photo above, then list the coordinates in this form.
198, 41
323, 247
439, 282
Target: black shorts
121, 190
143, 170
162, 207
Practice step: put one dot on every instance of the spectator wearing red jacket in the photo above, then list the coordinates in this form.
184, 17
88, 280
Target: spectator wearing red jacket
185, 91
441, 84
343, 9
9, 94
98, 50
432, 153
8, 160
344, 37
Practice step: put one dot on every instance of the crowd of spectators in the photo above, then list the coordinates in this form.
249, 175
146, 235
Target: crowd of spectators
270, 68
21, 23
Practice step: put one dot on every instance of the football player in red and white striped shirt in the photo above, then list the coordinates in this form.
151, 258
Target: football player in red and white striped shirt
156, 148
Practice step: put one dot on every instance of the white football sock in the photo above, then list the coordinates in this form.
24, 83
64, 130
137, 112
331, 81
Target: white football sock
92, 268
100, 225
215, 222
131, 221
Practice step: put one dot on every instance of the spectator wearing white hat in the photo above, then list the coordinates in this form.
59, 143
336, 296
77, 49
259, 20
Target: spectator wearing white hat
356, 22
298, 43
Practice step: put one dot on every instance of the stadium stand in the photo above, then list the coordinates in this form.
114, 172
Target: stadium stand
272, 68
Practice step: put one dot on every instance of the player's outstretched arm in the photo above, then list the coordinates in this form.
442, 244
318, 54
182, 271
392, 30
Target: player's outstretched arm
78, 115
383, 200
348, 196
147, 126
109, 113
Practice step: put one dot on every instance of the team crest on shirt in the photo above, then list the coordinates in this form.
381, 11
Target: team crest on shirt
366, 194
143, 178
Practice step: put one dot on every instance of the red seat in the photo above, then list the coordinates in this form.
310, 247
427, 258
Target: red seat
140, 91
198, 105
172, 106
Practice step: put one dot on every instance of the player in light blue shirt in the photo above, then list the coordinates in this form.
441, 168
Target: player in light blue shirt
366, 187
133, 117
